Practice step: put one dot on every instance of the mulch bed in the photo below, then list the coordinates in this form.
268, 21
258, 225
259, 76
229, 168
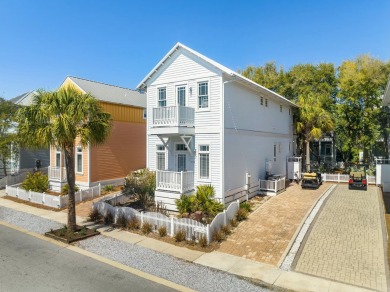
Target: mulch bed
67, 236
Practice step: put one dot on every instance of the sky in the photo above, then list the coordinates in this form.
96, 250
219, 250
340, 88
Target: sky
119, 42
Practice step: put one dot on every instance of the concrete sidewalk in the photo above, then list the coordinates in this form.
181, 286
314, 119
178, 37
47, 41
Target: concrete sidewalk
221, 261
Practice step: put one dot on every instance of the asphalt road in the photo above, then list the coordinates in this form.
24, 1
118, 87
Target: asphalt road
31, 264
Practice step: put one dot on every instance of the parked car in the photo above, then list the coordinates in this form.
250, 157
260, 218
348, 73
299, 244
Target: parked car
311, 180
358, 177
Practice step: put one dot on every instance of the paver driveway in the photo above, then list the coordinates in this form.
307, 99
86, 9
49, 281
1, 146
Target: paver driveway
346, 242
266, 234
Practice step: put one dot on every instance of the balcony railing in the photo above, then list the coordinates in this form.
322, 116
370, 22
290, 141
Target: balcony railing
173, 116
57, 173
175, 181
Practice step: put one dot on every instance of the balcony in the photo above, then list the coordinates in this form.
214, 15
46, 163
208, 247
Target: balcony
57, 173
173, 120
181, 182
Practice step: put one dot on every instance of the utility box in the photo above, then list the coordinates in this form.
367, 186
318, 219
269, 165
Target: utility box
294, 166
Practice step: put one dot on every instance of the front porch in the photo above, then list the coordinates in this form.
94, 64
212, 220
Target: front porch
181, 182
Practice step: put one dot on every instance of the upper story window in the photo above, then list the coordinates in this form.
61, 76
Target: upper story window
203, 95
266, 102
79, 159
181, 95
261, 100
281, 108
162, 97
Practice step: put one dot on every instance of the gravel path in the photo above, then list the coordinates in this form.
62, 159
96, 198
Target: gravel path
165, 266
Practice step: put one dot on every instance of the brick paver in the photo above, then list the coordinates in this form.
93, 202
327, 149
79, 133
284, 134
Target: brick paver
266, 234
346, 241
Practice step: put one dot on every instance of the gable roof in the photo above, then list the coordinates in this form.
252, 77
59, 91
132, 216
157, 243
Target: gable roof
386, 95
142, 85
25, 98
109, 93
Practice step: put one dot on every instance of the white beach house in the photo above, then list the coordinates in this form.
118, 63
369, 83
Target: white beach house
207, 124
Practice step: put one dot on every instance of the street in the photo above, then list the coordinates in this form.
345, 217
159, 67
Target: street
31, 264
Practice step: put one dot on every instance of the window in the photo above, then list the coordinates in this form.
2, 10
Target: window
79, 159
160, 158
181, 147
162, 97
274, 152
266, 102
281, 108
181, 95
204, 162
144, 113
261, 100
58, 159
203, 95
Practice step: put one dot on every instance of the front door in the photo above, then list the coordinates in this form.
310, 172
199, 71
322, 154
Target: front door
181, 162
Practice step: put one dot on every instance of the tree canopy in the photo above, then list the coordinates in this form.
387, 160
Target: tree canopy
348, 96
56, 119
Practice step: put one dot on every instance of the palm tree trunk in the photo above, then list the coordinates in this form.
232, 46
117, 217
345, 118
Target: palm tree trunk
307, 155
70, 177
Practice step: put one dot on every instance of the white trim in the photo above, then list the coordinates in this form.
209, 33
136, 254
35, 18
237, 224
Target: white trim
158, 96
204, 179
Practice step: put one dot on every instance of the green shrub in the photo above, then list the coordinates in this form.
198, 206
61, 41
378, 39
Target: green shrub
94, 215
83, 231
180, 235
162, 231
65, 189
133, 223
121, 221
186, 204
202, 201
108, 218
246, 206
202, 240
142, 184
36, 182
108, 188
242, 214
147, 228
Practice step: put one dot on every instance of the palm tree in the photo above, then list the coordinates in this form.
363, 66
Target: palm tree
312, 121
55, 119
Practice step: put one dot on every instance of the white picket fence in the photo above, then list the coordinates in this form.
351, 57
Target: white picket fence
193, 229
52, 200
337, 177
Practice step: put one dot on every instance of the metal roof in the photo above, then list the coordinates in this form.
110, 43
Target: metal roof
25, 98
222, 68
110, 93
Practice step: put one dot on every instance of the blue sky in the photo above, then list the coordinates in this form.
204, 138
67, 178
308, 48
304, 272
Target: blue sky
119, 42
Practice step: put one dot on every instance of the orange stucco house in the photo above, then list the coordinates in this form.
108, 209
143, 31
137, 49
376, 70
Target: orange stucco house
123, 151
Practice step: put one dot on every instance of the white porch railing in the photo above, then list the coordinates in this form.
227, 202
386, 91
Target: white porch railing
173, 116
273, 185
175, 181
57, 173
